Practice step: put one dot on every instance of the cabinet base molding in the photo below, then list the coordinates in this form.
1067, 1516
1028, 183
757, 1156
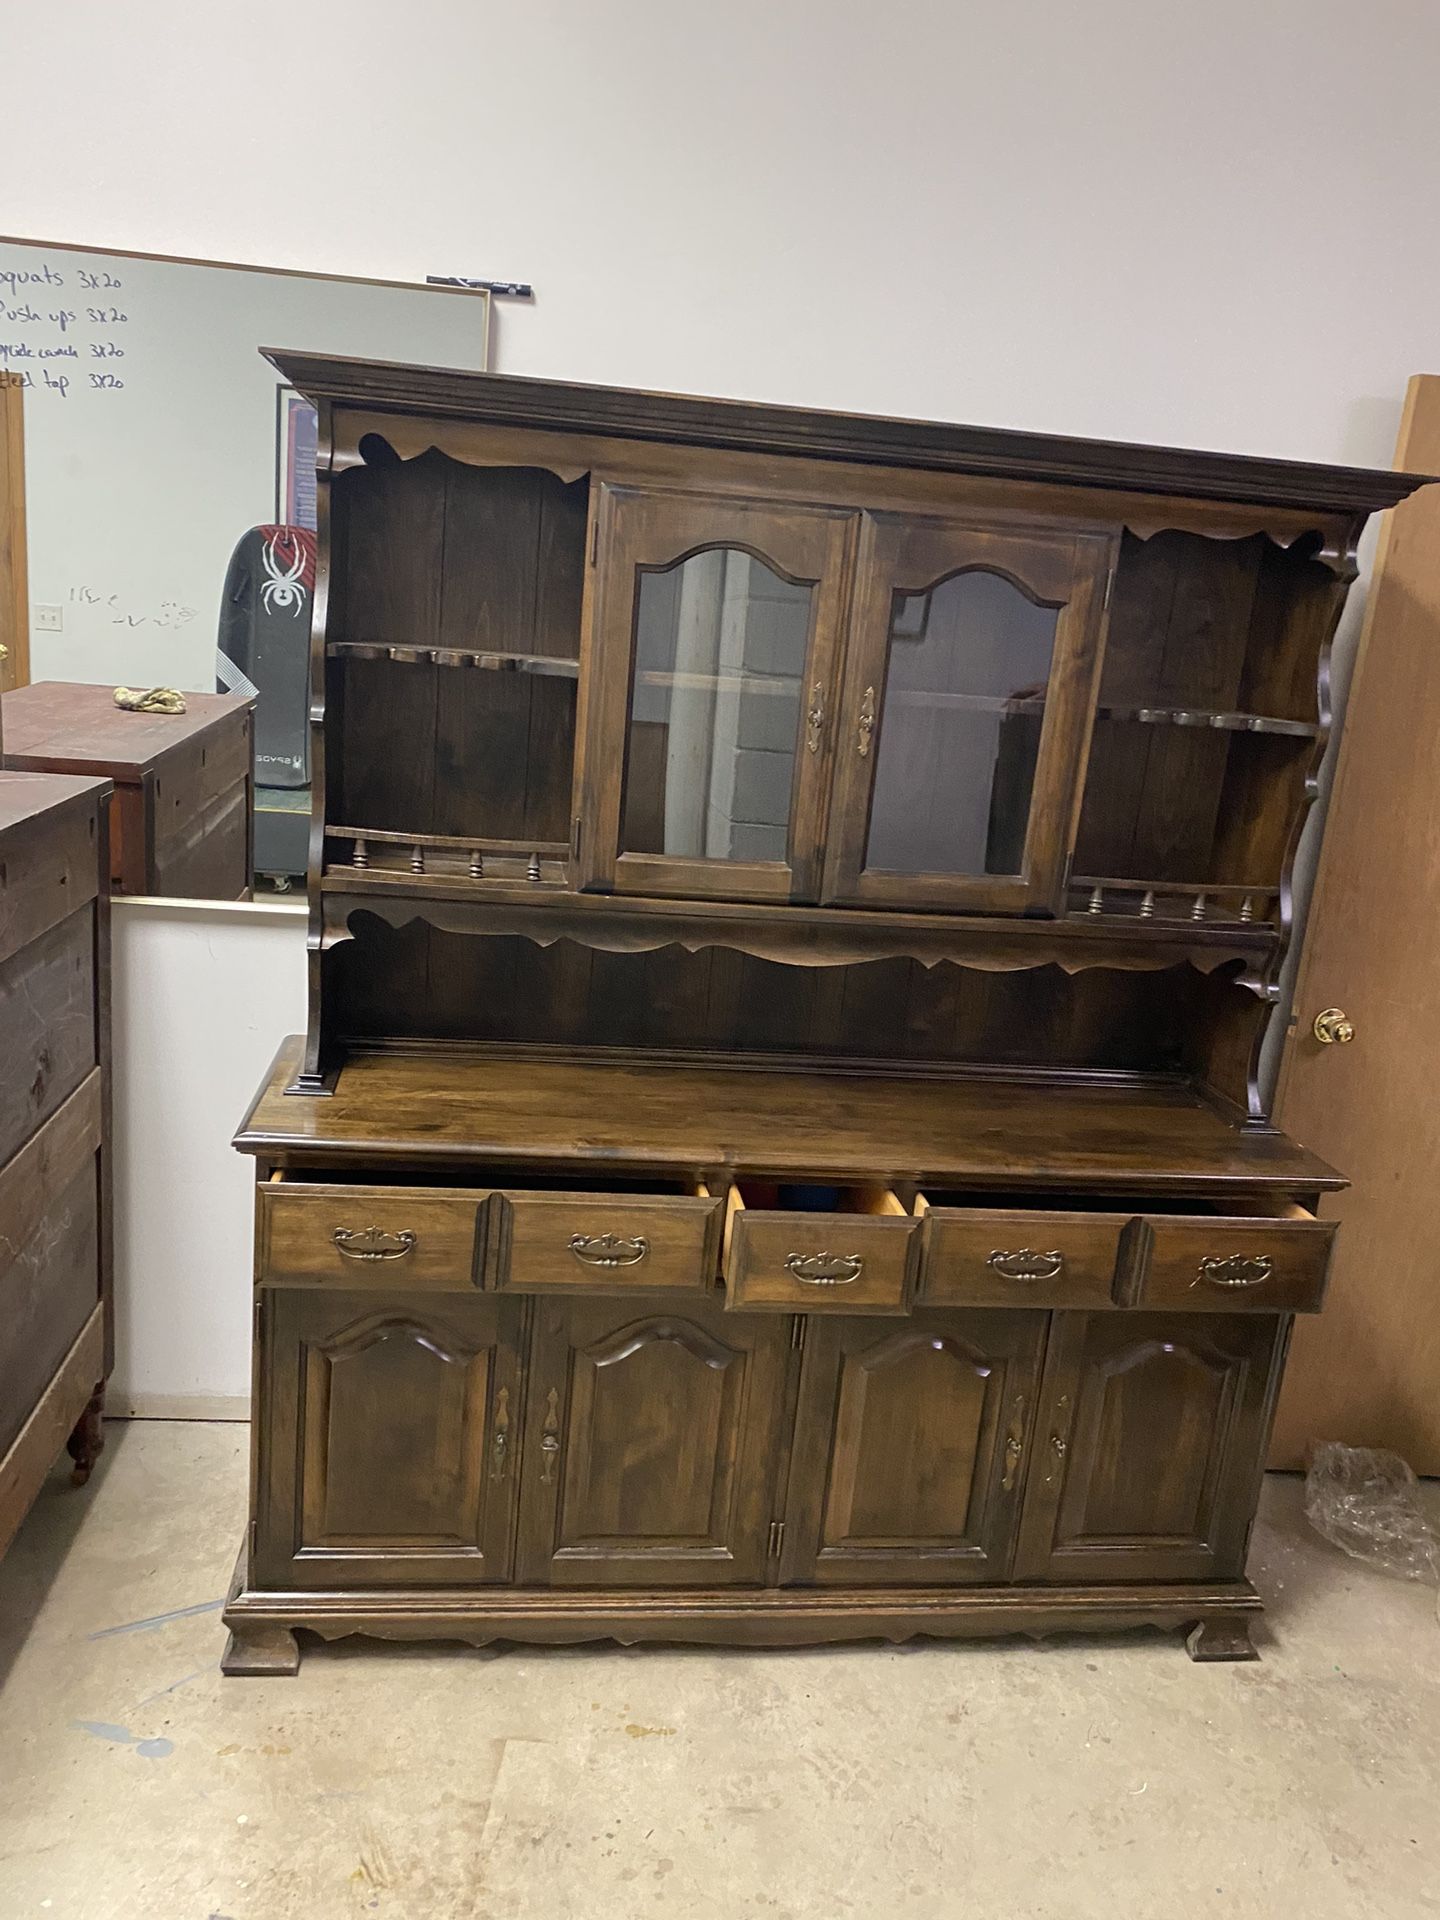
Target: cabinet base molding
262, 1624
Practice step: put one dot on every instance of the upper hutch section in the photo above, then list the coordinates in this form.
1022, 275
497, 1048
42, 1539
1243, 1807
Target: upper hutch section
638, 672
584, 640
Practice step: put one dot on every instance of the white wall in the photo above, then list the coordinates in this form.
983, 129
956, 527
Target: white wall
1204, 225
202, 997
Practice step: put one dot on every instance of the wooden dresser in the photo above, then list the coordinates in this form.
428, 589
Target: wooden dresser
55, 1333
778, 1153
183, 815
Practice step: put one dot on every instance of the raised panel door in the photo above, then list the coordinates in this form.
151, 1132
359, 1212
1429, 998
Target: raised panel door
389, 1431
651, 1444
969, 694
909, 1448
1147, 1457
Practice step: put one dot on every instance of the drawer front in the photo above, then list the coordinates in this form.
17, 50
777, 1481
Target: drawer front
1225, 1264
607, 1242
983, 1257
820, 1262
344, 1236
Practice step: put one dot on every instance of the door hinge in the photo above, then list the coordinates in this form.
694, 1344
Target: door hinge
797, 1332
1109, 585
259, 1311
777, 1539
575, 838
594, 540
254, 1533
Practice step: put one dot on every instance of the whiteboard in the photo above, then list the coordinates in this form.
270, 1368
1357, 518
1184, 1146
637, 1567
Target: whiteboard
151, 434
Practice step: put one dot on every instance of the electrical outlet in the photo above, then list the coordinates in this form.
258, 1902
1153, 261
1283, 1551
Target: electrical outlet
49, 619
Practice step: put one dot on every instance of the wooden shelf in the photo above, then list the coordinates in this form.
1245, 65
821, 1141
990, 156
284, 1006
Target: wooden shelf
682, 1120
553, 666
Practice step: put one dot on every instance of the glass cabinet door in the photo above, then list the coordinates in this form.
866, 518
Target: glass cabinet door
968, 694
707, 699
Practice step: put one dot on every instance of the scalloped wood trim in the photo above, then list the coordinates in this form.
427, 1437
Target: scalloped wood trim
799, 936
839, 483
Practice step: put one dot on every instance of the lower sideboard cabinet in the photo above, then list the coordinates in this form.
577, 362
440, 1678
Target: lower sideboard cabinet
489, 1465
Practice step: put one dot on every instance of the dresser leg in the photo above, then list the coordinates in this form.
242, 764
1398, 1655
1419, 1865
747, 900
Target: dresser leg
88, 1440
260, 1651
1222, 1639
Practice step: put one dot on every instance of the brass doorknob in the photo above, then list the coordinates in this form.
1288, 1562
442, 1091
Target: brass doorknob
1334, 1027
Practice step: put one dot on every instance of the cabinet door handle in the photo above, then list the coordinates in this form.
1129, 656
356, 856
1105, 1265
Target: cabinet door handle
866, 727
815, 718
550, 1438
609, 1249
1234, 1270
500, 1438
1059, 1445
1025, 1264
372, 1243
825, 1269
1014, 1444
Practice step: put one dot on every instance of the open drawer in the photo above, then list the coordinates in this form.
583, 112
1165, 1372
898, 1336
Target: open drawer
1065, 1255
1257, 1256
817, 1249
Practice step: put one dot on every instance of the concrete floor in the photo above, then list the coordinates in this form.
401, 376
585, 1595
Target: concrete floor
1072, 1779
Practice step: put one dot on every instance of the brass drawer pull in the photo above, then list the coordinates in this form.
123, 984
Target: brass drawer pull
1234, 1270
372, 1243
1026, 1264
825, 1269
609, 1249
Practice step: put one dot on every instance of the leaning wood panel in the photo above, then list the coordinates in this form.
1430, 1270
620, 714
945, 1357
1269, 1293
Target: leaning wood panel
14, 586
1368, 1371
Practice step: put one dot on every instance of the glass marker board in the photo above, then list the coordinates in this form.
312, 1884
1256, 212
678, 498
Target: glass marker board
156, 435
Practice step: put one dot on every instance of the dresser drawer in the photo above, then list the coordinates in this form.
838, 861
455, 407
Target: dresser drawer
352, 1236
607, 1242
997, 1257
1275, 1262
858, 1257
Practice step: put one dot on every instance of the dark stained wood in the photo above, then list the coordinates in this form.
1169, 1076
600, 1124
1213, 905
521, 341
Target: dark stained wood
389, 1437
438, 1108
55, 1189
1060, 570
536, 404
584, 1243
651, 1440
909, 1448
1147, 1448
184, 783
785, 1247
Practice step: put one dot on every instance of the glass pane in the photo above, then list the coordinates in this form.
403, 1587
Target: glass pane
715, 711
959, 727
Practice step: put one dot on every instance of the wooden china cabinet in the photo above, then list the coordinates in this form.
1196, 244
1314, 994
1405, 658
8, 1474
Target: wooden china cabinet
777, 1155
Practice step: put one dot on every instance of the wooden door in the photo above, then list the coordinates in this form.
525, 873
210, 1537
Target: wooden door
707, 690
909, 1447
1147, 1455
969, 694
651, 1442
389, 1432
1367, 1371
14, 592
